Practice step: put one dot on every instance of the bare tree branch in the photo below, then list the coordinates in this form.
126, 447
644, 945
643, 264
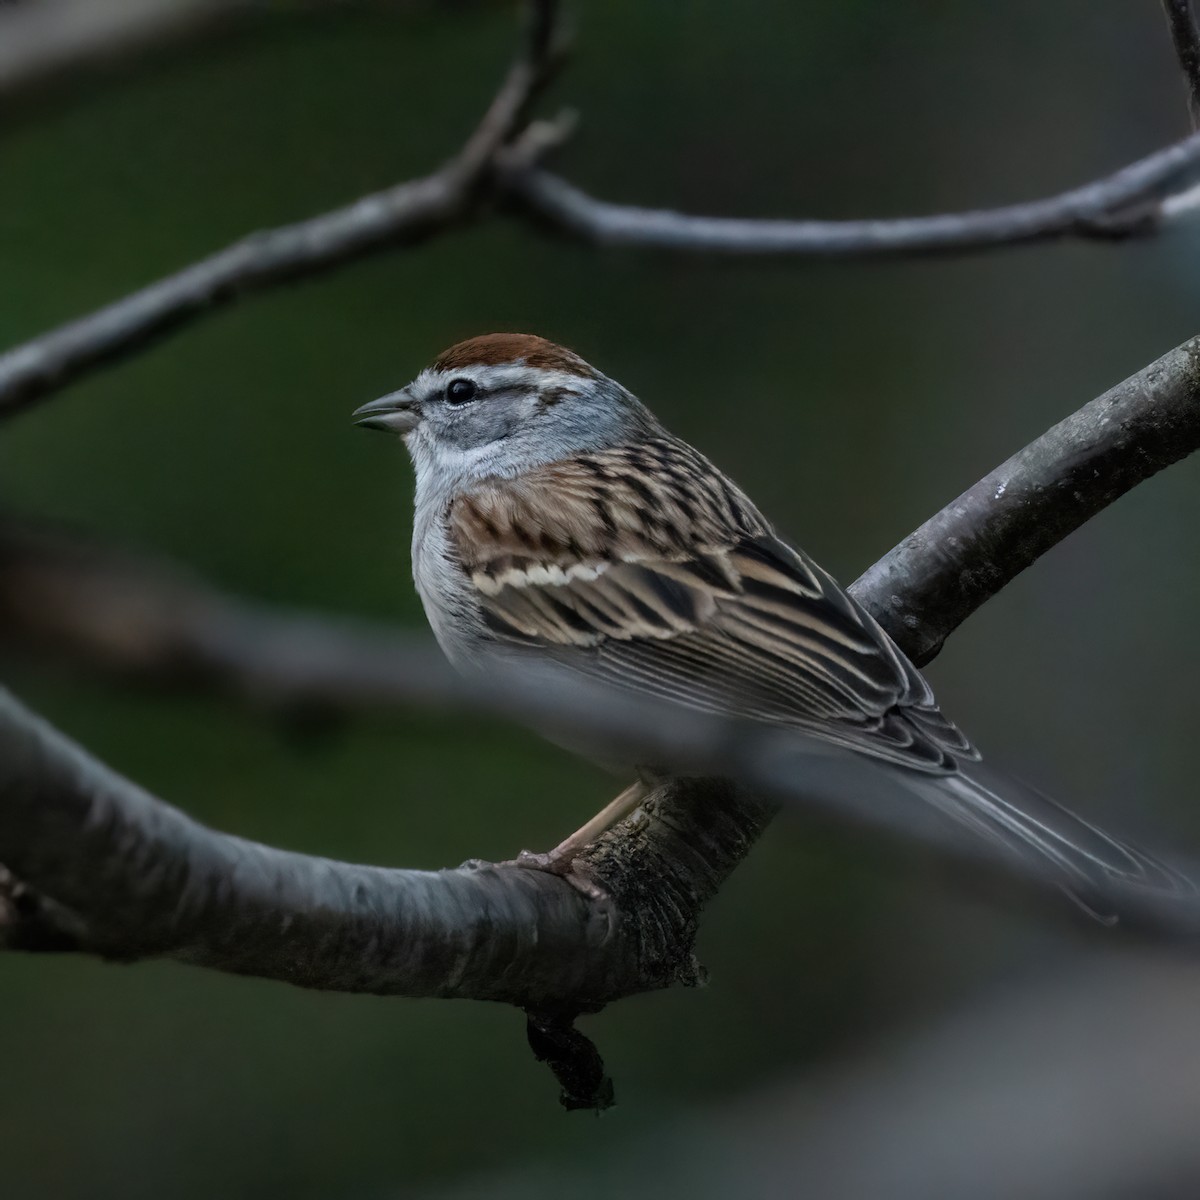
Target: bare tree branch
1129, 203
153, 623
940, 574
46, 41
1186, 36
144, 879
400, 215
1137, 200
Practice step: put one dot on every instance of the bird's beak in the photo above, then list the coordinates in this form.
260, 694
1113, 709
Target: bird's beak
395, 413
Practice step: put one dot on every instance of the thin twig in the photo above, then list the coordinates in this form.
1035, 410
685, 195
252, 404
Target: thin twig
1128, 203
1186, 36
1136, 200
400, 215
403, 214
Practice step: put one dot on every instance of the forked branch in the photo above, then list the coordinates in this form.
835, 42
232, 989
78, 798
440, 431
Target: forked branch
501, 163
401, 215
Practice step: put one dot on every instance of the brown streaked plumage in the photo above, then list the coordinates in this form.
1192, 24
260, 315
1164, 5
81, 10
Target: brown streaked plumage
652, 563
497, 349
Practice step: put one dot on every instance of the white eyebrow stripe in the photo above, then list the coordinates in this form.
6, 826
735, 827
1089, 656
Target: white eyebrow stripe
508, 375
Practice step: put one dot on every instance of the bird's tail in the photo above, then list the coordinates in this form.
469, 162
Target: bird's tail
1103, 874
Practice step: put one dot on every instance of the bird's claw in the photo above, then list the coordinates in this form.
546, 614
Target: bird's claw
553, 864
562, 865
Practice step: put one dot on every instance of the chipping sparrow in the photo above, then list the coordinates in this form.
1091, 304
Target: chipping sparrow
555, 517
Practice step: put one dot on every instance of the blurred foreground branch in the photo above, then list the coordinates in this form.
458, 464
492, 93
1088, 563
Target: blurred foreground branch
156, 623
49, 38
1076, 1085
44, 41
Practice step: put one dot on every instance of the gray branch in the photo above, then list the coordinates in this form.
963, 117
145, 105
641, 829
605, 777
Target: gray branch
139, 878
940, 574
46, 41
1135, 201
143, 880
401, 215
50, 38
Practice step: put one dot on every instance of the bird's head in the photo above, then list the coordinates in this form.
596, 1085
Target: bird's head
504, 402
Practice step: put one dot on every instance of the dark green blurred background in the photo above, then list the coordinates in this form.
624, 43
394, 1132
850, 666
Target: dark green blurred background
850, 399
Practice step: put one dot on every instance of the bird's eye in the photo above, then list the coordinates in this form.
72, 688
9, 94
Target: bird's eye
459, 391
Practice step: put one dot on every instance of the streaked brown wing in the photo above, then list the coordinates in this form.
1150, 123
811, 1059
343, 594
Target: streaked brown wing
644, 567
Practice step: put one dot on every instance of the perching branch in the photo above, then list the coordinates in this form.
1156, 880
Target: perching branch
142, 879
1186, 36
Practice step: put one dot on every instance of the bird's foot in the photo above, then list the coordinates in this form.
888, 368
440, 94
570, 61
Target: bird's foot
562, 864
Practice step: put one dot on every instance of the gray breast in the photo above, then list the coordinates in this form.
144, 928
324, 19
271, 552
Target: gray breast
450, 605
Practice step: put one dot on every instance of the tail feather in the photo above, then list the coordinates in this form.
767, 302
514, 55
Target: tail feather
1096, 869
975, 811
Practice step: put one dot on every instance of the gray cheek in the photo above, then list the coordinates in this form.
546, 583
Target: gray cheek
483, 423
